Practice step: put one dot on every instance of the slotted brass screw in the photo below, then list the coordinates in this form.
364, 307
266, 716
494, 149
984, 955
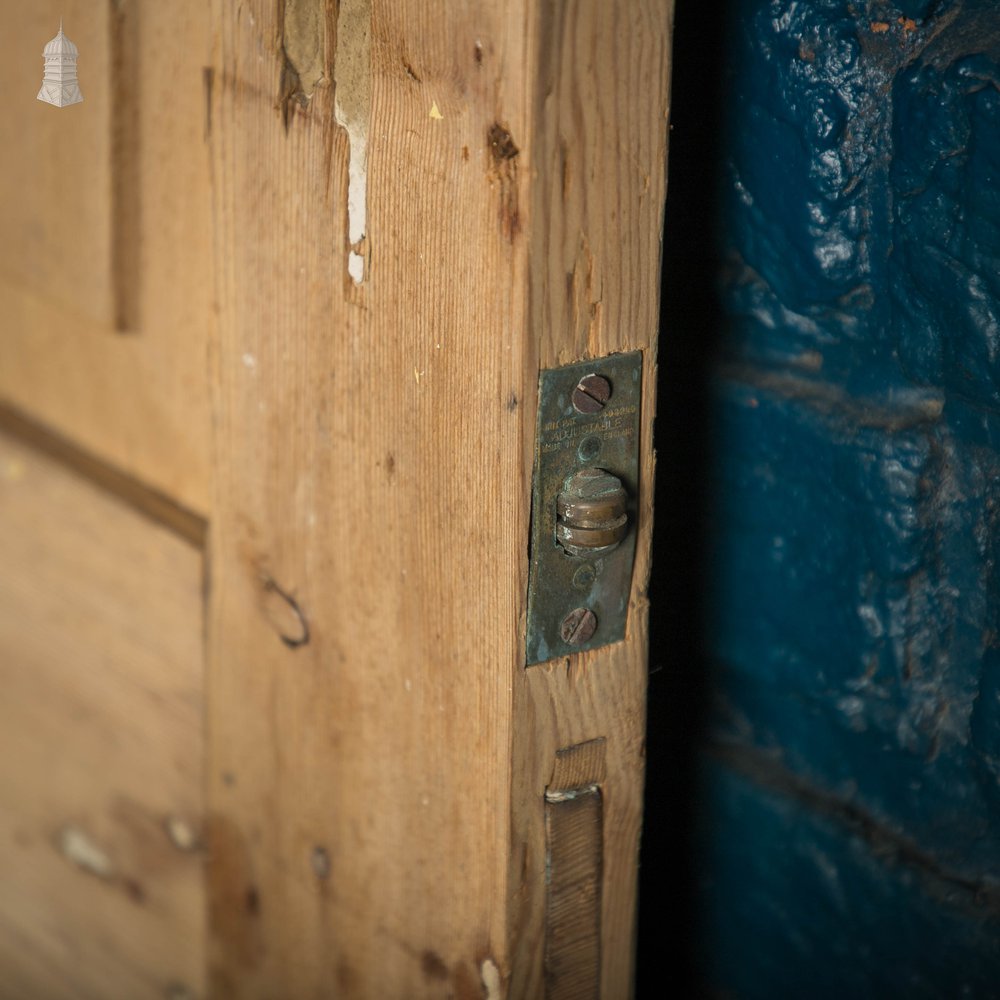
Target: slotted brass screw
591, 394
578, 626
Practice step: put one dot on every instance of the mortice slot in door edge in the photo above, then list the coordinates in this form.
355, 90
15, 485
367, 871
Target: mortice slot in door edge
583, 505
574, 848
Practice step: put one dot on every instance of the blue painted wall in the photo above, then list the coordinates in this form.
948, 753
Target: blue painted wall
845, 670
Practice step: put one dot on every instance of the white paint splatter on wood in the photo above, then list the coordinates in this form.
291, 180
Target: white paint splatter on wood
491, 979
352, 109
78, 847
181, 834
356, 266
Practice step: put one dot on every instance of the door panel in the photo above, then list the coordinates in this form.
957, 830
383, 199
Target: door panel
100, 742
324, 251
55, 209
105, 273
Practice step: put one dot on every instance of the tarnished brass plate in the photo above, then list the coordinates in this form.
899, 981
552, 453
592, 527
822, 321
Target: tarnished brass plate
567, 441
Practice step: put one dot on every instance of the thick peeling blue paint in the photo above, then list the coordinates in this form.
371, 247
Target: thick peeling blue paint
854, 614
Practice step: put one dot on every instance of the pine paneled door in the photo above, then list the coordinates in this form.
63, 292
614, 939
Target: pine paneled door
276, 296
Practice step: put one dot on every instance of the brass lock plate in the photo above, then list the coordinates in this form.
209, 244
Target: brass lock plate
588, 419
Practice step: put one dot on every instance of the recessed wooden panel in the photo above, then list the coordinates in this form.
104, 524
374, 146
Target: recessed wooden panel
105, 273
55, 173
101, 743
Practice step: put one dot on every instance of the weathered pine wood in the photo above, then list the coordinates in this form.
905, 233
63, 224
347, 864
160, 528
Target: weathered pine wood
157, 506
378, 754
399, 213
101, 743
106, 266
368, 456
599, 129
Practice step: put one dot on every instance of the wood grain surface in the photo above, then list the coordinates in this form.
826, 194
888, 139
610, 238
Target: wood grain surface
105, 269
374, 462
601, 100
368, 461
299, 284
101, 746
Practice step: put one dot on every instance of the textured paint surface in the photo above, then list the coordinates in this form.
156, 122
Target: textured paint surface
853, 622
352, 78
302, 40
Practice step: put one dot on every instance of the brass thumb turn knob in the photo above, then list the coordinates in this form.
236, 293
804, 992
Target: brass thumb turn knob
591, 513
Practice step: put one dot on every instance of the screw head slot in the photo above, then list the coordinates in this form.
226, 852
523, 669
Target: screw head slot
591, 394
578, 627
